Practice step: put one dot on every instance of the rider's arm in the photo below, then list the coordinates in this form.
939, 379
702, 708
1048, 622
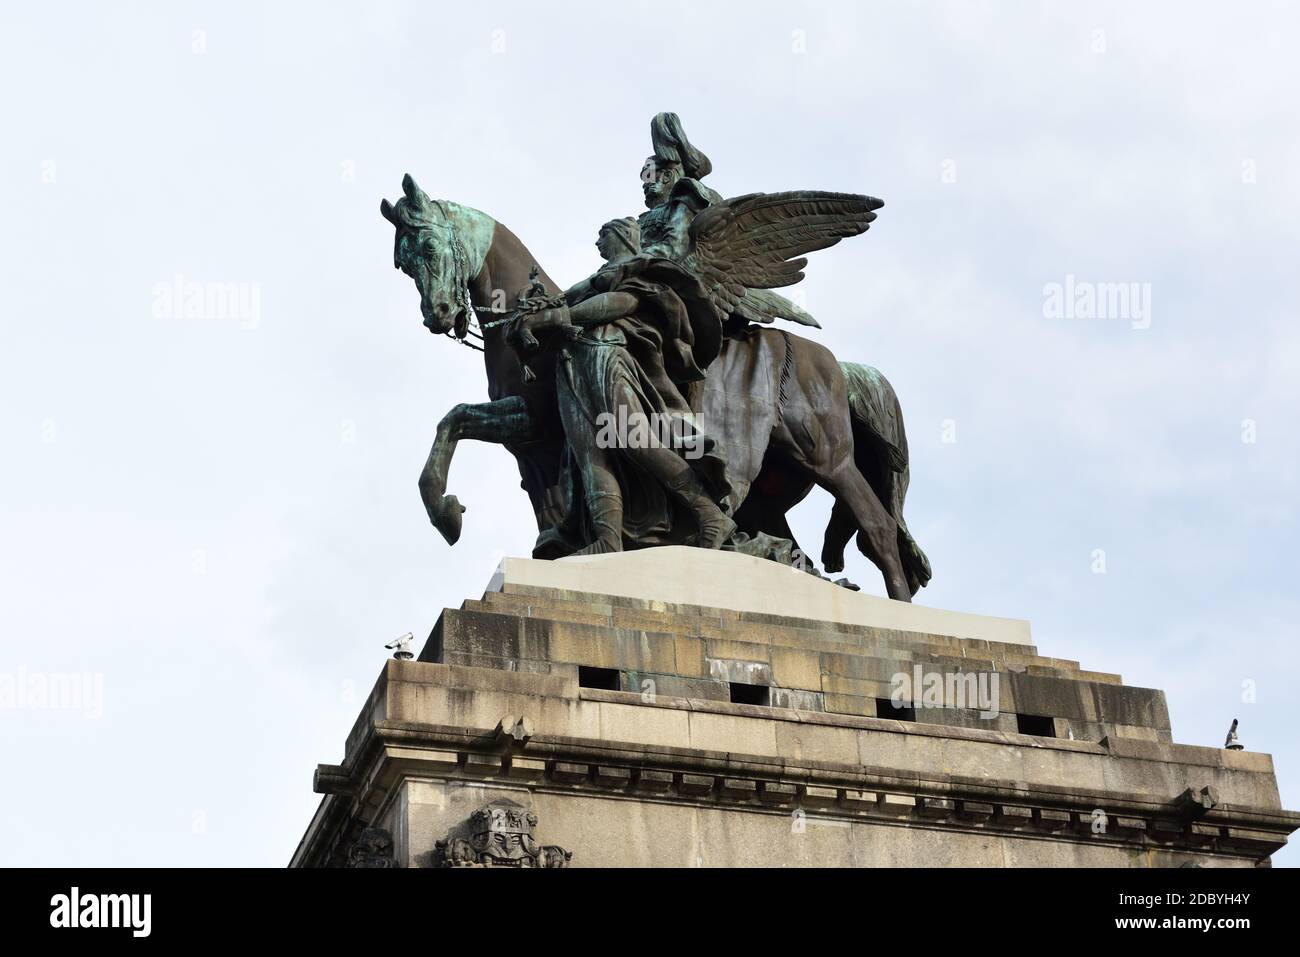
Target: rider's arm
579, 292
603, 308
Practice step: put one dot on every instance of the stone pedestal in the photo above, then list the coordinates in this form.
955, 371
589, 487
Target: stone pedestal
676, 707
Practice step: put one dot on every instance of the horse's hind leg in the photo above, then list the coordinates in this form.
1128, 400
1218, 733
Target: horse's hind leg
839, 530
878, 528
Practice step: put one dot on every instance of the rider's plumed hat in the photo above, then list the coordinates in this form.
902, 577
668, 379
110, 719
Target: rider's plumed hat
672, 146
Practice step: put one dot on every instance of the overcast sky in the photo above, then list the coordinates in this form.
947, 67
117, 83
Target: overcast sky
216, 519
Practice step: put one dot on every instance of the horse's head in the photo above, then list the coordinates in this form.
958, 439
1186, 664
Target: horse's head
429, 249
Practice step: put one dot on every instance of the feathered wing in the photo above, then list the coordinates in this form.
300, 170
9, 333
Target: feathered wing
766, 306
757, 242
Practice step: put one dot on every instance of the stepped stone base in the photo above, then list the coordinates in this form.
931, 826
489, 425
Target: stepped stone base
622, 728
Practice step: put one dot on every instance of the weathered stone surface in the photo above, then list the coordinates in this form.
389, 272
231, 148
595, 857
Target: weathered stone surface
612, 777
744, 671
936, 807
1051, 819
726, 732
796, 668
777, 792
739, 789
649, 685
856, 798
527, 769
654, 727
812, 742
569, 773
485, 765
654, 781
1014, 815
815, 795
668, 771
975, 810
895, 804
853, 704
797, 700
1122, 704
695, 784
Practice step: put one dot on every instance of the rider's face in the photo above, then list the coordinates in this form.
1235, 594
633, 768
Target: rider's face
657, 182
607, 245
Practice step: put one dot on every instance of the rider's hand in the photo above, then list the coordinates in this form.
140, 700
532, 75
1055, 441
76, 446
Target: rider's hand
521, 337
524, 337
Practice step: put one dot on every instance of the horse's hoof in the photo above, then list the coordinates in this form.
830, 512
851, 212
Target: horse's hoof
833, 562
447, 518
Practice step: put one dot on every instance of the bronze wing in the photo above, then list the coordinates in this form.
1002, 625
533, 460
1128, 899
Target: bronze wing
758, 241
766, 306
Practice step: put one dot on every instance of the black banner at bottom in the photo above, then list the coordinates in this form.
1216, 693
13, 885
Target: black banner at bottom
379, 906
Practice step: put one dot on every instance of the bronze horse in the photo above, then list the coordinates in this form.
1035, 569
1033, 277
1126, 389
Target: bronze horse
785, 413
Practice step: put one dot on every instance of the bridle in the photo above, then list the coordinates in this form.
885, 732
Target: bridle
480, 327
464, 298
461, 280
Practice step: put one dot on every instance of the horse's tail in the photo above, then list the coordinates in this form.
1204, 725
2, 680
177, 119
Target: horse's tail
880, 452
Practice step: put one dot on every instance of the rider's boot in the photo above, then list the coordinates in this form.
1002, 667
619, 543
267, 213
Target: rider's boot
716, 527
606, 512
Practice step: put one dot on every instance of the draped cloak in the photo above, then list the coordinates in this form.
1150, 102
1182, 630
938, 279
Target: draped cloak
640, 365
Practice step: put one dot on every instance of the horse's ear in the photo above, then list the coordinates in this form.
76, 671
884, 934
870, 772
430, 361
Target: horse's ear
386, 210
414, 194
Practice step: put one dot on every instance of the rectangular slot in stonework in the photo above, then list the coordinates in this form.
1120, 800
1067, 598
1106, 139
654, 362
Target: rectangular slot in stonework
1035, 724
605, 679
742, 693
885, 708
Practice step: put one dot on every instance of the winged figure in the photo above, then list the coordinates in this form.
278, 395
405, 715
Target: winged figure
642, 330
744, 247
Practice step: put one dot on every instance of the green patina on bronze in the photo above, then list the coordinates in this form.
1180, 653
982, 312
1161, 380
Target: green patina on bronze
676, 329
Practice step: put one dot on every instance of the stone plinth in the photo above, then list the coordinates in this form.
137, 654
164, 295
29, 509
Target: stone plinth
681, 576
624, 728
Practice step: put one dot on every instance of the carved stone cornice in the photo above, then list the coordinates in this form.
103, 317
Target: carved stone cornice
397, 750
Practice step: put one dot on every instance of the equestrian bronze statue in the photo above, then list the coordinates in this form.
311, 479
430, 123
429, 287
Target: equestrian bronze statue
657, 401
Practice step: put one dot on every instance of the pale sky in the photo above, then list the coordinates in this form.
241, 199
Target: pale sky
216, 519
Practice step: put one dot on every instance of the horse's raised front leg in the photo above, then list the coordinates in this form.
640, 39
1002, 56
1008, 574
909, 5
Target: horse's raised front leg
503, 421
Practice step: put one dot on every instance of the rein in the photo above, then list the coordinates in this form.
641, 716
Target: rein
481, 327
